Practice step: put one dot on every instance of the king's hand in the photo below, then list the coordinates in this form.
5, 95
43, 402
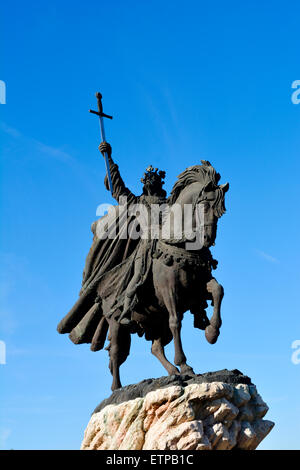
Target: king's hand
105, 147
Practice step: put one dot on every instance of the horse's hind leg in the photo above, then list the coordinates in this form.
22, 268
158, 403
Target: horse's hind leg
212, 331
158, 351
118, 349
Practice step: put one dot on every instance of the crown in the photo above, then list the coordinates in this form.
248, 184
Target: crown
152, 176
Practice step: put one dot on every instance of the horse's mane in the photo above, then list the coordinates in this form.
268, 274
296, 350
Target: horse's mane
204, 174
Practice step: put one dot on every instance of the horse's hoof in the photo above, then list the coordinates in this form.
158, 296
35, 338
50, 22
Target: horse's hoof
115, 386
211, 334
174, 371
187, 370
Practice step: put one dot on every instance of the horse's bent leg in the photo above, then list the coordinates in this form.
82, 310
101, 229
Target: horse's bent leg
118, 350
158, 351
212, 331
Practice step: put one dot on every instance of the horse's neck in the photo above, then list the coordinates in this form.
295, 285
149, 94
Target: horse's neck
190, 194
180, 219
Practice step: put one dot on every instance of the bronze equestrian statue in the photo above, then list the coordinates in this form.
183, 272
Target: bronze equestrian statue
134, 282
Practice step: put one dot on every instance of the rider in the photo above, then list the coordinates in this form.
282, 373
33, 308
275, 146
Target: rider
153, 193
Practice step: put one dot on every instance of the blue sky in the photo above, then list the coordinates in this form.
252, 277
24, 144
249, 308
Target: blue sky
184, 81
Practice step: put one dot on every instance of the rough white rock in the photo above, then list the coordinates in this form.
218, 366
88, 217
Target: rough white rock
215, 416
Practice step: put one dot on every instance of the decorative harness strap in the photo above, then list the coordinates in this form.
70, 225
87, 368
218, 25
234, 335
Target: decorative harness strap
171, 254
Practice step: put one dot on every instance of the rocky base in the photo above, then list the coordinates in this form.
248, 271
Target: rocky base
220, 410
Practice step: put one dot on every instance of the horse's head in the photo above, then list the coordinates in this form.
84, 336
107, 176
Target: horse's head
202, 200
210, 206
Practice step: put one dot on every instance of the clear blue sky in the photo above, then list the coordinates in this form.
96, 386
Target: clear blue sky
185, 81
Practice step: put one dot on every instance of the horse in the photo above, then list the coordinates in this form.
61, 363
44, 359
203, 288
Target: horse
180, 279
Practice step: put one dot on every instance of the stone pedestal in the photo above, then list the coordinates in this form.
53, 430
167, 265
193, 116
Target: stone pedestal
214, 411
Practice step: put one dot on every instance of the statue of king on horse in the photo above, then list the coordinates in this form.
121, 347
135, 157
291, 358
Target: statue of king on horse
135, 283
150, 262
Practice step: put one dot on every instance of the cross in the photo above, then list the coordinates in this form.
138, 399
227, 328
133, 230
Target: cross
101, 115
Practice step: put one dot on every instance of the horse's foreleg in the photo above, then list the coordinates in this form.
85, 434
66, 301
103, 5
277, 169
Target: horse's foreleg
212, 331
165, 281
158, 351
175, 327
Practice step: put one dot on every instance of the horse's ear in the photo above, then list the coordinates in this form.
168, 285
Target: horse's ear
224, 187
205, 163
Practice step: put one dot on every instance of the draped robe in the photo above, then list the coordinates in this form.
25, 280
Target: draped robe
108, 269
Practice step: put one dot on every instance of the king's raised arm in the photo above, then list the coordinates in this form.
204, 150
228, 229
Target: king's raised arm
118, 186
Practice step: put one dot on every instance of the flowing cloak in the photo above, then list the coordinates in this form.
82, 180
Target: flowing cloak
108, 269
